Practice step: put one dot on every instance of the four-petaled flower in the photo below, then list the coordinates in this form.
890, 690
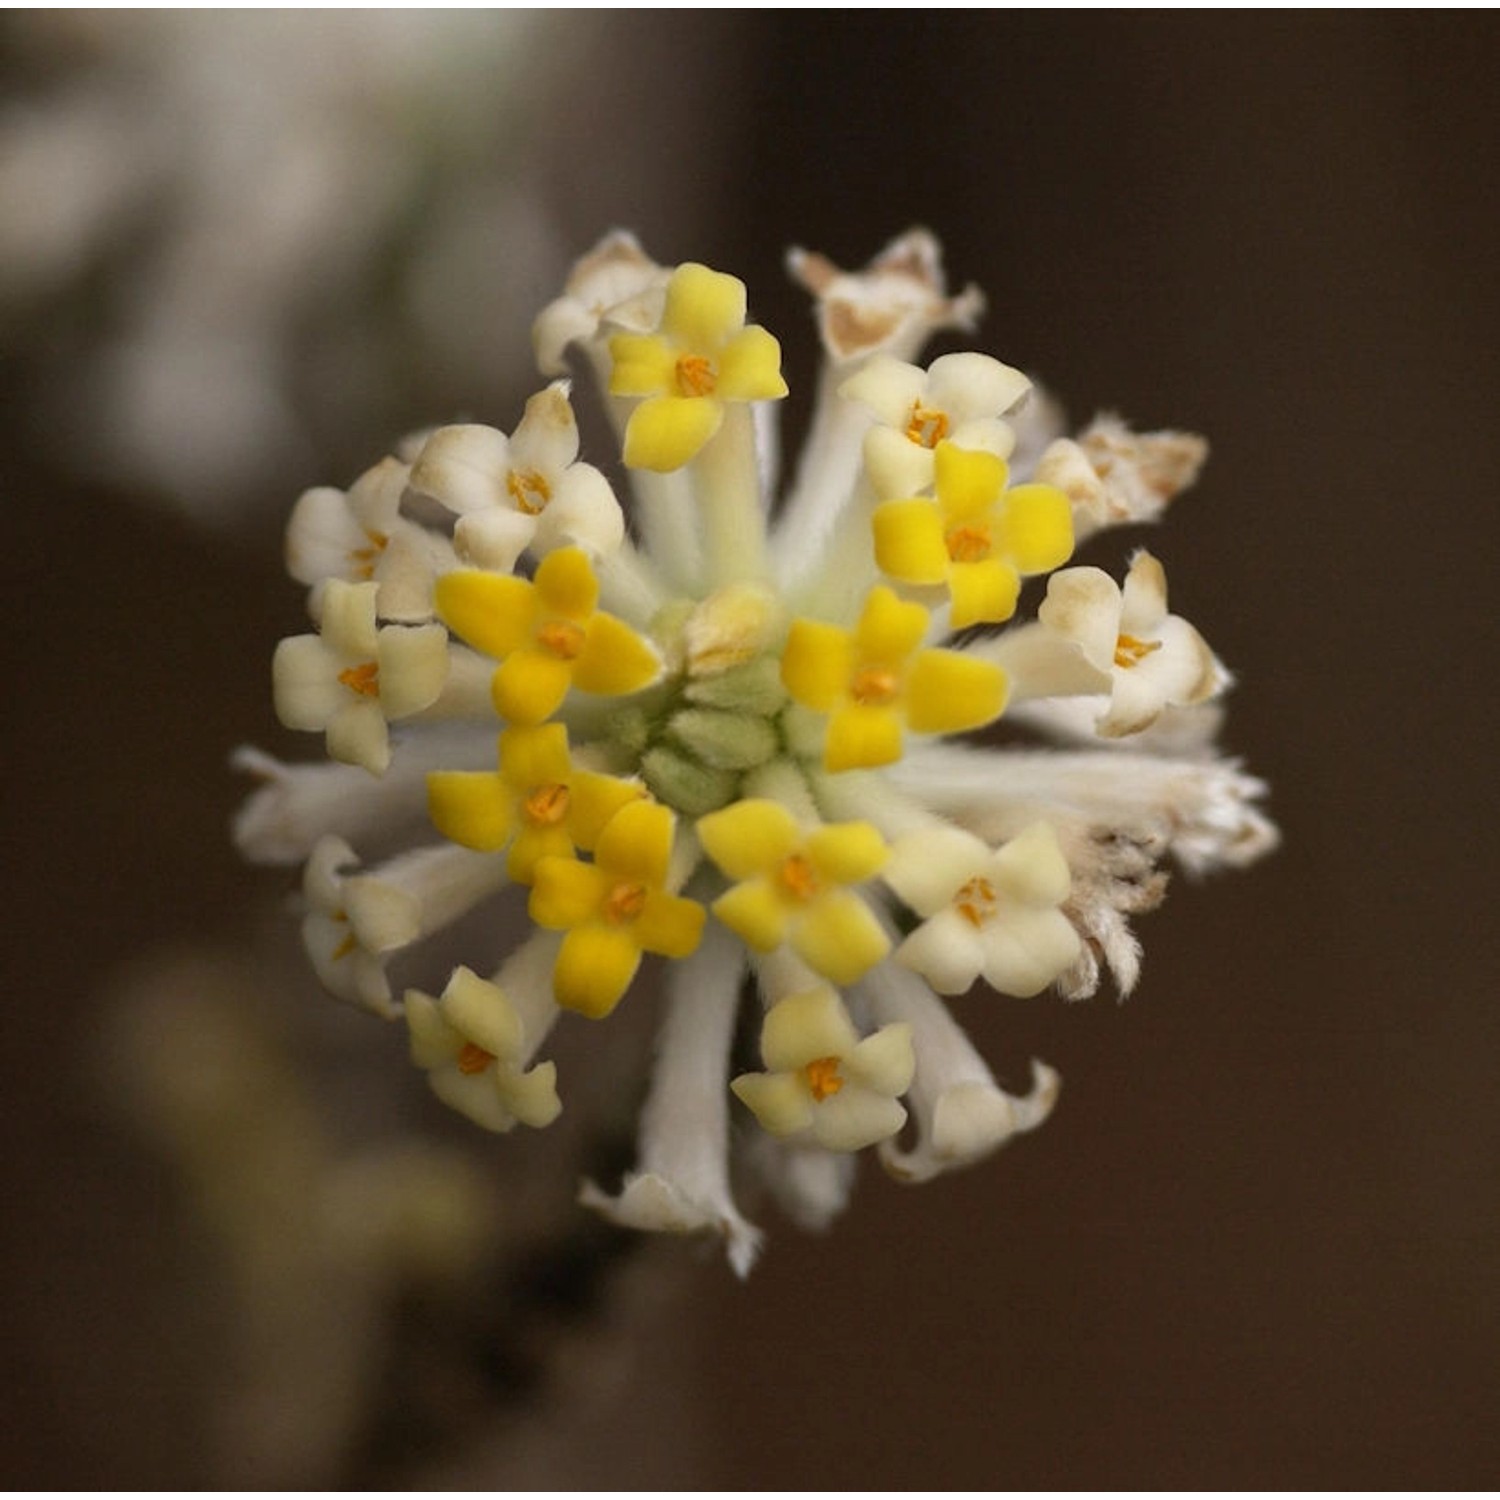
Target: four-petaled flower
355, 675
874, 682
977, 537
546, 634
526, 490
824, 1083
990, 912
538, 802
702, 356
471, 1042
958, 399
792, 885
614, 909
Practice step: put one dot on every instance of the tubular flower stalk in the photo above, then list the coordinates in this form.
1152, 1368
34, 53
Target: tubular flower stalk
709, 739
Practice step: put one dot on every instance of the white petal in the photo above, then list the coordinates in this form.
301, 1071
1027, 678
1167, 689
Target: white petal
804, 1027
781, 1102
898, 468
530, 1096
1040, 663
856, 1117
413, 667
1144, 597
433, 1042
974, 385
945, 950
1031, 867
323, 877
464, 468
582, 513
405, 573
884, 1061
357, 736
305, 682
1026, 949
483, 1013
320, 535
928, 866
1083, 605
493, 538
547, 438
889, 387
382, 915
986, 434
375, 497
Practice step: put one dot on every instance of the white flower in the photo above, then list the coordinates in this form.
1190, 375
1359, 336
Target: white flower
471, 1040
727, 744
990, 912
960, 399
354, 676
824, 1082
527, 490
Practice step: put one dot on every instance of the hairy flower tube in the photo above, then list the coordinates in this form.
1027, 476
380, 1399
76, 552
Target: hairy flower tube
729, 747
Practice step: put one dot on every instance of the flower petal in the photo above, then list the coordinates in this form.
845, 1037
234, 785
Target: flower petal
665, 432
594, 968
750, 367
909, 541
948, 691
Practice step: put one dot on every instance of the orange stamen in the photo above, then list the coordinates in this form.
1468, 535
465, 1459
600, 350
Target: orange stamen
822, 1075
529, 490
975, 902
695, 376
562, 638
1129, 650
926, 426
798, 876
874, 686
363, 679
473, 1058
365, 558
546, 805
968, 544
624, 902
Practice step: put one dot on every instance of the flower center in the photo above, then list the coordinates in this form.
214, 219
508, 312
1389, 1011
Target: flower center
546, 805
822, 1075
695, 376
874, 686
968, 544
363, 679
798, 877
1129, 650
529, 490
926, 426
975, 901
365, 558
562, 638
624, 902
472, 1058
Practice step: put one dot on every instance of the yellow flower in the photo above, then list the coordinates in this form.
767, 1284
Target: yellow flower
792, 886
873, 682
702, 357
538, 802
614, 909
546, 634
977, 537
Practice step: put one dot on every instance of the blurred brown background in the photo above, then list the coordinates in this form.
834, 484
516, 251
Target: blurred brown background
1259, 1242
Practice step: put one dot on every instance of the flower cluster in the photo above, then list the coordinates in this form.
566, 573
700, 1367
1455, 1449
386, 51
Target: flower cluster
725, 735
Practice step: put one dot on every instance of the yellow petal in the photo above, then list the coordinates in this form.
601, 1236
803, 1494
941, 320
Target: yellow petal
838, 937
750, 368
969, 482
861, 735
534, 842
494, 614
636, 844
755, 913
483, 1013
1037, 528
534, 756
888, 630
983, 593
846, 853
614, 659
948, 691
530, 685
909, 541
594, 968
566, 893
817, 664
665, 432
704, 308
749, 838
780, 1102
642, 365
593, 800
669, 925
473, 808
565, 583
804, 1027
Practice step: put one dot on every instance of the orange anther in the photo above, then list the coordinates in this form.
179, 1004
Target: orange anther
365, 558
798, 876
473, 1058
529, 490
545, 805
695, 376
975, 901
926, 426
625, 902
1129, 650
874, 686
822, 1075
562, 638
363, 679
968, 544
